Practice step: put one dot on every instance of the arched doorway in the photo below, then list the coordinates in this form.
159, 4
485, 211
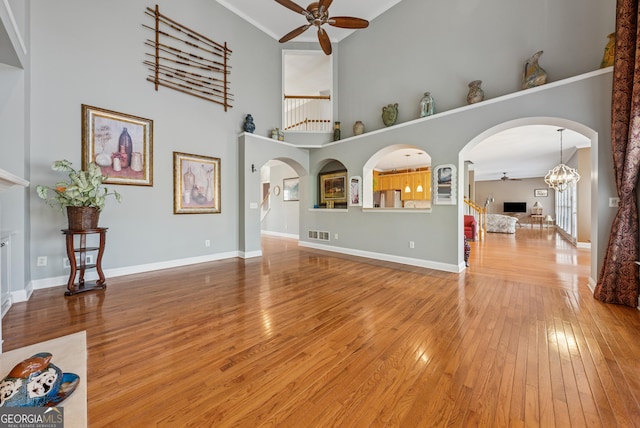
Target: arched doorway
554, 122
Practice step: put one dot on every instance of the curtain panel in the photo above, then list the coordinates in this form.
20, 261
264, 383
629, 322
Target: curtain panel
618, 280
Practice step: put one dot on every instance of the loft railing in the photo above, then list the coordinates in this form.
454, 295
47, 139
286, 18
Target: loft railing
307, 113
480, 214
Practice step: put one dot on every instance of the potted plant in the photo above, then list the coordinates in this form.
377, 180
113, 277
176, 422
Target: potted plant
82, 195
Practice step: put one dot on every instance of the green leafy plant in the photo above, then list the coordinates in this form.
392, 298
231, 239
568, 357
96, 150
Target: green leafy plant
84, 188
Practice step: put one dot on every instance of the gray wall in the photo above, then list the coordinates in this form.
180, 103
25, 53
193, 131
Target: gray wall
515, 191
14, 132
436, 234
96, 58
440, 47
91, 52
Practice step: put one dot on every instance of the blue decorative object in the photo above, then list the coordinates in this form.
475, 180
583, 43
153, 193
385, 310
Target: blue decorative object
249, 126
35, 382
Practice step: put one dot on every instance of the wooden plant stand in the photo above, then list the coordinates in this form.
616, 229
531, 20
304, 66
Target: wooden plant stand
78, 269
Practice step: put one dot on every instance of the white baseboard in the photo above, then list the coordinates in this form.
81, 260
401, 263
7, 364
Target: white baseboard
250, 254
386, 257
280, 234
129, 270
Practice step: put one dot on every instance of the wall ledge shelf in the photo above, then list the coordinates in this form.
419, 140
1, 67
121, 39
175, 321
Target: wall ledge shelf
335, 210
397, 210
8, 179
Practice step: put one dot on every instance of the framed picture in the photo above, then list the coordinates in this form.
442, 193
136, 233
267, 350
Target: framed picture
540, 193
121, 144
196, 184
444, 184
333, 188
291, 189
355, 191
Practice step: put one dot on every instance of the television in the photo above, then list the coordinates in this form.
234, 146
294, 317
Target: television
514, 207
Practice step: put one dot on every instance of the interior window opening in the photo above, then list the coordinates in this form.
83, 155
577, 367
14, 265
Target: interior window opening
307, 98
402, 179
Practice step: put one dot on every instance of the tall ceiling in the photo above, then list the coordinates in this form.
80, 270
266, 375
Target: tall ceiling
276, 20
523, 152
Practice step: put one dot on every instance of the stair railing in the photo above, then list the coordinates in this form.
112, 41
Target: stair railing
480, 214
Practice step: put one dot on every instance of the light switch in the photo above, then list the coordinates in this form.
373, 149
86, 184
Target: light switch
253, 205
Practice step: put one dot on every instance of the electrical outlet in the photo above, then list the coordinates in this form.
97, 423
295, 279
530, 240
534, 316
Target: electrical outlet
614, 202
412, 244
41, 261
335, 236
87, 261
207, 243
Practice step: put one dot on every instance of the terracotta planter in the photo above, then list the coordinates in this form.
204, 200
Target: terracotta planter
82, 218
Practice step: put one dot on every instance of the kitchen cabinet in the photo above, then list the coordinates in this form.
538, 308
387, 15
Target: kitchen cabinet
400, 181
390, 182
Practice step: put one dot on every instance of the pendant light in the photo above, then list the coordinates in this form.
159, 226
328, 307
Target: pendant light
419, 189
407, 188
562, 176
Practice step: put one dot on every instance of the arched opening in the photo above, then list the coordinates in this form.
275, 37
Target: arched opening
332, 185
589, 184
280, 199
397, 176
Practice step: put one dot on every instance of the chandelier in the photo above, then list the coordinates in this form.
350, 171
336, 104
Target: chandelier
562, 176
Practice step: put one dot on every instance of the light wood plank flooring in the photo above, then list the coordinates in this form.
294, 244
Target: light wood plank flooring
304, 338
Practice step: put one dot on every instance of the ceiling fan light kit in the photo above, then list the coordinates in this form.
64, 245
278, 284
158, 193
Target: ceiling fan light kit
505, 177
317, 14
562, 176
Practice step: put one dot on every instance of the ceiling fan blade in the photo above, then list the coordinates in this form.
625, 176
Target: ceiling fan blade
325, 43
294, 33
324, 4
293, 6
348, 22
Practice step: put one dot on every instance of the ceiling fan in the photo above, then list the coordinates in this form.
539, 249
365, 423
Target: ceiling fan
317, 13
506, 178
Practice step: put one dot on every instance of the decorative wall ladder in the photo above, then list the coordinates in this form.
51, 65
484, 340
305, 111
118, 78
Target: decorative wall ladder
187, 61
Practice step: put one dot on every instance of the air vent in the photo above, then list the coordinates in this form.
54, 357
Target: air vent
319, 235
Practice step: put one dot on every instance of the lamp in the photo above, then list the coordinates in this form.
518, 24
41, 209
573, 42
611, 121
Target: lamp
407, 188
419, 189
548, 220
562, 176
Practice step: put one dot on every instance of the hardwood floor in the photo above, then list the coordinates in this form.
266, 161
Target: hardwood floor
304, 338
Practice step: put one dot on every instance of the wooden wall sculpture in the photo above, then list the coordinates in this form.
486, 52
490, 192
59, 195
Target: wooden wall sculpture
187, 61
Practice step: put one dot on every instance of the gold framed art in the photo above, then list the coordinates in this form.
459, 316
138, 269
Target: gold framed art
196, 184
120, 144
333, 188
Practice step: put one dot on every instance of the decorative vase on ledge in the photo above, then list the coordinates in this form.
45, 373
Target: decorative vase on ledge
532, 74
358, 128
476, 94
390, 114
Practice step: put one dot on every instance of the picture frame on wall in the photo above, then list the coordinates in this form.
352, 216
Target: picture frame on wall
355, 191
541, 193
444, 184
291, 189
196, 184
333, 188
120, 144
